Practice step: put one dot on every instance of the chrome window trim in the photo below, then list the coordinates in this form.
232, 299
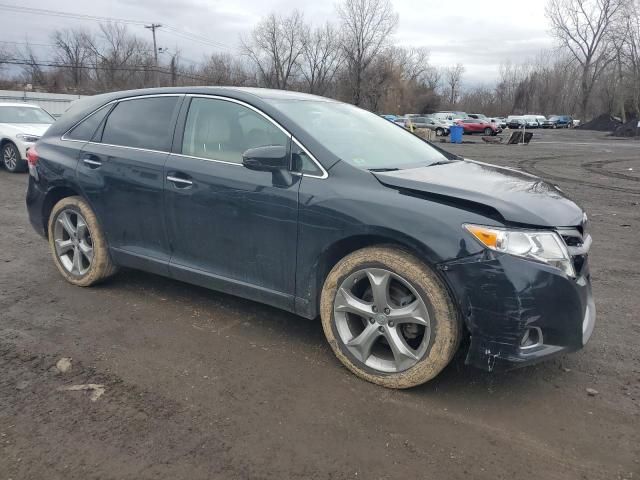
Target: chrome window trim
117, 100
324, 175
225, 162
244, 104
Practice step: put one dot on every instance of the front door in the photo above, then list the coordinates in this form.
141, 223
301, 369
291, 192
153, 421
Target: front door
229, 227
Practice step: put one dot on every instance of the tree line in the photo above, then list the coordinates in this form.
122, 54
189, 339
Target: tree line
594, 67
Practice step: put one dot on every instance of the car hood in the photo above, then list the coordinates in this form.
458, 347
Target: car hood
517, 196
28, 128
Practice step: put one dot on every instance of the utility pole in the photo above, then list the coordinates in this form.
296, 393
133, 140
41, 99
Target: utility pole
153, 28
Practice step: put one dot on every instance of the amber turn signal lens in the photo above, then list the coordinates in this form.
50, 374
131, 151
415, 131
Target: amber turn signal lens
487, 236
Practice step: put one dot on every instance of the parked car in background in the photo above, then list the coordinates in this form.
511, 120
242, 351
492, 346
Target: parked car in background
516, 123
473, 125
21, 125
406, 252
391, 118
401, 121
449, 115
440, 127
500, 121
532, 121
558, 121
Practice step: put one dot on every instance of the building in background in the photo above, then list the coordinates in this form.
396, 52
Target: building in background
54, 103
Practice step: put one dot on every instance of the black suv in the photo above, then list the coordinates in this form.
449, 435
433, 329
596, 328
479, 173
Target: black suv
322, 209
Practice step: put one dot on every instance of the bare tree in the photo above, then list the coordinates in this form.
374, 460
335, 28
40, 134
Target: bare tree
275, 47
453, 78
224, 69
73, 48
585, 27
321, 58
366, 26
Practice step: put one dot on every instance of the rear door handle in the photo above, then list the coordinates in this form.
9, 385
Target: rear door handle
179, 182
92, 161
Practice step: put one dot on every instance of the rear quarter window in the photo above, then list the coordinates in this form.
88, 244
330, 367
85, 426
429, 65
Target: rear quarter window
86, 129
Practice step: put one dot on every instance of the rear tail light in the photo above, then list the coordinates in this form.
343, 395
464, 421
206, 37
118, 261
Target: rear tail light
32, 157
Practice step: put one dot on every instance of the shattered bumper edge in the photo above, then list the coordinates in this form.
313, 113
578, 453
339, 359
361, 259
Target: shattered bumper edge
500, 297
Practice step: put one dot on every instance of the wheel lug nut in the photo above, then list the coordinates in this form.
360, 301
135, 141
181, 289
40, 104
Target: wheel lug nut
391, 323
381, 329
371, 320
387, 311
374, 308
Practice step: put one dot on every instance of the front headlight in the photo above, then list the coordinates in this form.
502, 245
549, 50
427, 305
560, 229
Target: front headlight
542, 246
25, 137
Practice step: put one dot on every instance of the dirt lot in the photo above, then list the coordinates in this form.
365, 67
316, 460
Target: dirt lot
200, 385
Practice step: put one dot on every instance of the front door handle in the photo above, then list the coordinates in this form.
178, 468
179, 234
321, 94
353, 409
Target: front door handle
179, 182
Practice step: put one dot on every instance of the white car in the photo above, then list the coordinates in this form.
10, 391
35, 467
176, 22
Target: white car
21, 125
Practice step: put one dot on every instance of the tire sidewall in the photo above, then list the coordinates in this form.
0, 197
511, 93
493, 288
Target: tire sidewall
101, 264
444, 323
20, 164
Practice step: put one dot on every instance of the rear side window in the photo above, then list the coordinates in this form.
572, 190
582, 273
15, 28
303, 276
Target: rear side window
142, 123
85, 129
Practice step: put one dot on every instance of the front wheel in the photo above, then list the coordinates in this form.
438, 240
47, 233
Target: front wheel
488, 131
11, 159
388, 317
78, 246
439, 132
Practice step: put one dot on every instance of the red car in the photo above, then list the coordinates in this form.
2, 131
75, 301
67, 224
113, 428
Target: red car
474, 125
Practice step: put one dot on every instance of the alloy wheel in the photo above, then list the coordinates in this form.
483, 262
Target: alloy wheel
73, 243
10, 157
382, 320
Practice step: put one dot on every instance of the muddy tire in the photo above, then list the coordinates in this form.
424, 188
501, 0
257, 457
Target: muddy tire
77, 243
352, 291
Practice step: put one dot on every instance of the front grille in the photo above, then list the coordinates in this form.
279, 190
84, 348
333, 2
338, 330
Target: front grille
578, 242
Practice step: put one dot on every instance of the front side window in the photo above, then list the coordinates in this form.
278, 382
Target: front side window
358, 137
24, 115
223, 130
142, 123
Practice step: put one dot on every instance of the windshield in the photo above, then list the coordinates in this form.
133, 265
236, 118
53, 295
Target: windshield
555, 117
24, 115
358, 137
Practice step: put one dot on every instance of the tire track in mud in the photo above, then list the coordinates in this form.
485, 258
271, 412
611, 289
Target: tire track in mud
597, 167
530, 166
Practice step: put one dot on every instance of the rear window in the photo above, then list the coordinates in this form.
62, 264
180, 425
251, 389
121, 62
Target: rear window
142, 123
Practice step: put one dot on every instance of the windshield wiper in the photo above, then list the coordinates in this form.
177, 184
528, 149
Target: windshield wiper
441, 162
383, 169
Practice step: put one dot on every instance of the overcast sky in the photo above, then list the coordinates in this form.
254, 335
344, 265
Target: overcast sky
472, 32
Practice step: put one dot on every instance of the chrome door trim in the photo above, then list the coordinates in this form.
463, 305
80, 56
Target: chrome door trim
112, 102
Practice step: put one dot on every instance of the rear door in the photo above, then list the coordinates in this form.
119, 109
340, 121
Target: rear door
230, 228
121, 174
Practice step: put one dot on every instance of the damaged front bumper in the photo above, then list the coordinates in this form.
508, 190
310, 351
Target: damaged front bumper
519, 312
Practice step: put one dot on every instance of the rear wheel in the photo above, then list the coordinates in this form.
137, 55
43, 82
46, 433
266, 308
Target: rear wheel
388, 317
11, 159
78, 246
439, 132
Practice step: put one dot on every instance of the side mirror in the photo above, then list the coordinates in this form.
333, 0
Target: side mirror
269, 158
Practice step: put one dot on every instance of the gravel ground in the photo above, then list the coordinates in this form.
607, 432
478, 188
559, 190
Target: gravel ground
200, 385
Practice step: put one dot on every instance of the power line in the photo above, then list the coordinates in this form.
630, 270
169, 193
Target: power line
128, 68
80, 16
